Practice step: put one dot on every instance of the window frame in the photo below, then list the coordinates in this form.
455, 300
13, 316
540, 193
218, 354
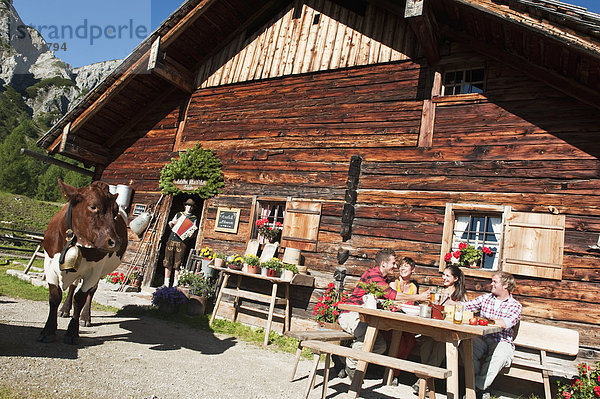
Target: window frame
448, 232
260, 201
461, 84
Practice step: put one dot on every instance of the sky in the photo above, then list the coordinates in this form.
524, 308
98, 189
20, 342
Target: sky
83, 32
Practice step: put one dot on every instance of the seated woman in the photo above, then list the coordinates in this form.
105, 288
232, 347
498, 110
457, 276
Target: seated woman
434, 352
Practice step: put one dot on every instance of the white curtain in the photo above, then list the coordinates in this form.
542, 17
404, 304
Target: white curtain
460, 226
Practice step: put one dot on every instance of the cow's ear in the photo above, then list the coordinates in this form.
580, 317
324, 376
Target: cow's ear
67, 190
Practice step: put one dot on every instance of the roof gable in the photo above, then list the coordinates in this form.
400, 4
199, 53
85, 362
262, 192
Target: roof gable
215, 42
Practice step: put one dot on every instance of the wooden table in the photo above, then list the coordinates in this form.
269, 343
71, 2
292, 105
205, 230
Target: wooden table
238, 293
440, 330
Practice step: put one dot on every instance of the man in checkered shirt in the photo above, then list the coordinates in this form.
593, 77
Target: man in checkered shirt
493, 352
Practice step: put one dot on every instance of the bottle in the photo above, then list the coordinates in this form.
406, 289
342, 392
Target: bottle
458, 313
437, 294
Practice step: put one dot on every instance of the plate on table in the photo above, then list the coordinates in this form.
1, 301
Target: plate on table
410, 309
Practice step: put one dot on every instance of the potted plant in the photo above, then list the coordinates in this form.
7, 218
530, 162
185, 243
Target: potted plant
326, 310
467, 255
167, 299
288, 270
115, 278
252, 263
201, 290
207, 255
220, 259
135, 277
372, 292
270, 231
186, 278
271, 268
235, 262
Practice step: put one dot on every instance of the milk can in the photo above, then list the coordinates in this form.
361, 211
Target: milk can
140, 223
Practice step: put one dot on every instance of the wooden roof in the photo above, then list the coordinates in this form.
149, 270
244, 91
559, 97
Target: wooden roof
549, 40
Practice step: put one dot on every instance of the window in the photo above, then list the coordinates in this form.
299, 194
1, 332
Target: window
463, 82
479, 230
300, 220
274, 211
522, 243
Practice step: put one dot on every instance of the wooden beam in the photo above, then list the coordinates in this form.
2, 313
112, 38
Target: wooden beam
423, 24
547, 76
428, 114
184, 22
74, 151
175, 74
64, 136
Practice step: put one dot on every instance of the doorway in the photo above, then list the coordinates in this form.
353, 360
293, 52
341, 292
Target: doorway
177, 205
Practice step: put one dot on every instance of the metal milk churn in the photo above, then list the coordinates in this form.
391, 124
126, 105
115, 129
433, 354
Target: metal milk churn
140, 223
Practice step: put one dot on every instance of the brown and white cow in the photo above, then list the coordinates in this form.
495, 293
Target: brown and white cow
100, 233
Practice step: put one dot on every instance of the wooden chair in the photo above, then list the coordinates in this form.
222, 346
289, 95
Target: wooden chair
269, 251
252, 247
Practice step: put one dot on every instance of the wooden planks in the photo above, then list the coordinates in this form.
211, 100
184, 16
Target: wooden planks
326, 36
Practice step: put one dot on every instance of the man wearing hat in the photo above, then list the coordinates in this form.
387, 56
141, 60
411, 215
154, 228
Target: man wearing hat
183, 226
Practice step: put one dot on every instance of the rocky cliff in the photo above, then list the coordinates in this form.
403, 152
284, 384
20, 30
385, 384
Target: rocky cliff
48, 84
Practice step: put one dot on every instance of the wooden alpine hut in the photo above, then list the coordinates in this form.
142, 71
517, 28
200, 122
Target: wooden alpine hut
368, 124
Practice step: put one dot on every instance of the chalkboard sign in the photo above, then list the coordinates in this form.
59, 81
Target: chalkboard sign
227, 220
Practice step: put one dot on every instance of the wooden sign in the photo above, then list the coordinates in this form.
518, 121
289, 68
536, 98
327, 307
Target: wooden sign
188, 184
227, 220
138, 209
153, 54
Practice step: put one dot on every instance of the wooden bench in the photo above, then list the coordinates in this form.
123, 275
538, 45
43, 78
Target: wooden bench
541, 351
316, 335
426, 372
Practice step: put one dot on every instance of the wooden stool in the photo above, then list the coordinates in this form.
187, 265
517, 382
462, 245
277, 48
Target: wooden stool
318, 335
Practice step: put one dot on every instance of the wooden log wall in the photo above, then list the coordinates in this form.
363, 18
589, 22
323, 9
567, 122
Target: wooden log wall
523, 145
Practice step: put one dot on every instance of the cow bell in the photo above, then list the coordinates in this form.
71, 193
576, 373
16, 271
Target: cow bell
72, 259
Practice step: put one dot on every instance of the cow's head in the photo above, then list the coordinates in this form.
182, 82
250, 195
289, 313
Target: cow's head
93, 213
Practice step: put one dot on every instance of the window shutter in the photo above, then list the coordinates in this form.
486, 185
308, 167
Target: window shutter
301, 225
534, 244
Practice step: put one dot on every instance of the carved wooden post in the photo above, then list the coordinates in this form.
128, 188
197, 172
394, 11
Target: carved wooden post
350, 198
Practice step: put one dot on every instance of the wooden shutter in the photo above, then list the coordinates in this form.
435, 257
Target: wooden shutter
301, 225
534, 244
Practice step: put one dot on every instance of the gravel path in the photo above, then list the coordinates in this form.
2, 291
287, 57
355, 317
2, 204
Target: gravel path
130, 357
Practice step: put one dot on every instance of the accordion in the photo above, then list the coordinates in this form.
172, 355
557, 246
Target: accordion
184, 227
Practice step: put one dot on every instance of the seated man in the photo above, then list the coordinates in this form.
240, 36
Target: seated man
493, 352
382, 274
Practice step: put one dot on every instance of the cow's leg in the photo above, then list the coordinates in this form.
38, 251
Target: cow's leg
48, 333
85, 320
72, 335
65, 309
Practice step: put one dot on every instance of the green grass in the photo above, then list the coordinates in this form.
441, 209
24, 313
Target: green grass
14, 287
23, 213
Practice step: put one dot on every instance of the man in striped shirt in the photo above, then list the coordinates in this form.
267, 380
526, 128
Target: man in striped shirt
493, 352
